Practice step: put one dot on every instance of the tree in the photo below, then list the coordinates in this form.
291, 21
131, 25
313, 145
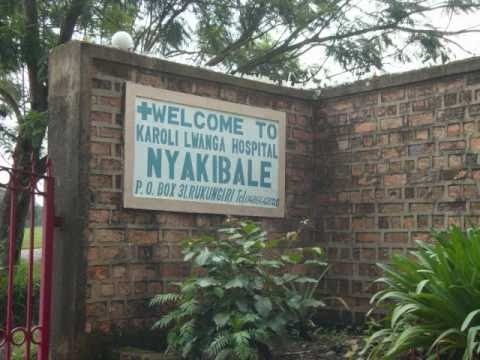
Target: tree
254, 37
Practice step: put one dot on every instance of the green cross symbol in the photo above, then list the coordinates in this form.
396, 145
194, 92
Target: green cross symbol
144, 109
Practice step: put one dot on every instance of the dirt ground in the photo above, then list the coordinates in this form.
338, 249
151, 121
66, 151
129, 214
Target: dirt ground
328, 345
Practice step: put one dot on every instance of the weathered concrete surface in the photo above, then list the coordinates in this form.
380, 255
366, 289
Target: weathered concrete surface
66, 147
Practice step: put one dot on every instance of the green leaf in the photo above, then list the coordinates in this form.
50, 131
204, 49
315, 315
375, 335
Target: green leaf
221, 319
263, 305
421, 285
219, 292
400, 311
471, 342
242, 306
207, 281
236, 282
468, 319
203, 257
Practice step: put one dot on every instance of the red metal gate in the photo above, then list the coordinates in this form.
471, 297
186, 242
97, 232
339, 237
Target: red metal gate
29, 335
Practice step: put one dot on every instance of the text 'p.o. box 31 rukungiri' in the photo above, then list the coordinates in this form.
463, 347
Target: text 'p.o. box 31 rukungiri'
189, 153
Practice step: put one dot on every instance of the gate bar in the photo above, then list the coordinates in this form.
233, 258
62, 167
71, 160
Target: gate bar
11, 254
47, 263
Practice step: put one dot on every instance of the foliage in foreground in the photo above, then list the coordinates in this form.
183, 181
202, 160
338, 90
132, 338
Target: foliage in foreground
20, 292
432, 300
240, 301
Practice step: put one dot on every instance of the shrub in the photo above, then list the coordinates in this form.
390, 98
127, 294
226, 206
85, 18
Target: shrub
240, 301
432, 300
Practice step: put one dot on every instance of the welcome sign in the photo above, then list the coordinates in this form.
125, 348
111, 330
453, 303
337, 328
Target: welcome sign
193, 154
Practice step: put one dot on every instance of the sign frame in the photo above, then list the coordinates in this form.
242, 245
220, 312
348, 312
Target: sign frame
134, 90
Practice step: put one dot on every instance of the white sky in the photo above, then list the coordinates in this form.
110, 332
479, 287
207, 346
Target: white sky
469, 42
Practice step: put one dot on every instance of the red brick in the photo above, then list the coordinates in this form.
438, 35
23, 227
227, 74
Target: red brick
452, 145
392, 123
101, 116
98, 272
389, 222
107, 290
119, 271
96, 309
204, 88
117, 310
392, 95
110, 101
344, 269
93, 253
98, 216
475, 144
408, 222
425, 104
476, 174
368, 254
369, 270
108, 235
450, 99
155, 287
365, 127
470, 191
362, 223
98, 148
424, 163
143, 272
368, 237
142, 236
420, 90
115, 253
455, 161
422, 134
151, 80
398, 237
302, 135
445, 85
420, 119
174, 270
455, 191
421, 207
391, 208
454, 129
100, 181
395, 180
455, 206
175, 236
111, 133
394, 152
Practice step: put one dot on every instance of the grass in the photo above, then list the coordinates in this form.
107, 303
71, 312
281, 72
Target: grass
19, 304
18, 352
37, 239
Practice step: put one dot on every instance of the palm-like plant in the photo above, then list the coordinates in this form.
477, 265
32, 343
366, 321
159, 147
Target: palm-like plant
432, 300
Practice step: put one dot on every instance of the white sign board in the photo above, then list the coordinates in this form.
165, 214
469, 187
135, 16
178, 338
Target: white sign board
193, 154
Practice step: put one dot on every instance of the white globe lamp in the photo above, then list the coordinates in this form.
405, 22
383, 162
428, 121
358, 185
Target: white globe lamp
122, 40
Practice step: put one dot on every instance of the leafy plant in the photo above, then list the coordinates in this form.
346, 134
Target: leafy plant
20, 292
241, 300
432, 300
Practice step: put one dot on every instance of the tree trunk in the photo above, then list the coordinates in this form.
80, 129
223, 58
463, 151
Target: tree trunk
23, 153
25, 148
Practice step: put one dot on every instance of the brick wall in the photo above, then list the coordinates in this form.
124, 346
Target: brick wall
126, 256
391, 164
375, 165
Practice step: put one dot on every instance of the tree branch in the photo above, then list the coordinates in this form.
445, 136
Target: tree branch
70, 20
